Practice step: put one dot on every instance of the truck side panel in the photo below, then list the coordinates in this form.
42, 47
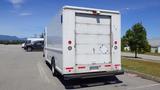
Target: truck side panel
53, 47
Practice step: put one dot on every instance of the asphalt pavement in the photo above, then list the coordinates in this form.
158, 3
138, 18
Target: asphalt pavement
20, 70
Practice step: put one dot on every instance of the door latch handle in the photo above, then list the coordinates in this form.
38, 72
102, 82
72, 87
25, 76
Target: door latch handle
94, 50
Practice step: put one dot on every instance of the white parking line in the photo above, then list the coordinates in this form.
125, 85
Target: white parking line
145, 86
42, 72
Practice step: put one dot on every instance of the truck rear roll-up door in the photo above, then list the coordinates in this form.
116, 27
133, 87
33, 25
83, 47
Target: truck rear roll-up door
92, 38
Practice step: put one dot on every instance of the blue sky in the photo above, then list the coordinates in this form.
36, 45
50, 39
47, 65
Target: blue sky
24, 18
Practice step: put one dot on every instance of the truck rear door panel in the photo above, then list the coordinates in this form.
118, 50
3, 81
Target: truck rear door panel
92, 39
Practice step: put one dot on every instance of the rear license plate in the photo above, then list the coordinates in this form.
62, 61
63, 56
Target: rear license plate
94, 67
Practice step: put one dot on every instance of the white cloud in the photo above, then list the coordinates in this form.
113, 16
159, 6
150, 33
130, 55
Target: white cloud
16, 3
25, 14
127, 8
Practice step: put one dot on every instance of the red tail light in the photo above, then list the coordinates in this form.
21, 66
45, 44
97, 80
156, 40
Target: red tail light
117, 65
108, 65
67, 68
69, 42
115, 42
81, 67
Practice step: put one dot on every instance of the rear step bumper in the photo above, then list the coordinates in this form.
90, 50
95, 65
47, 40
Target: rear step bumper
93, 74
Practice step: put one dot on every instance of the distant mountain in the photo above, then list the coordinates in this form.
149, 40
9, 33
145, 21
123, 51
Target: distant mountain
7, 37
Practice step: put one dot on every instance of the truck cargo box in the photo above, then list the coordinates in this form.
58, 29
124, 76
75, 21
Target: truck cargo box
84, 42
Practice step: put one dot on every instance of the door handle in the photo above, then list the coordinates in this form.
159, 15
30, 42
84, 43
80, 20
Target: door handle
94, 50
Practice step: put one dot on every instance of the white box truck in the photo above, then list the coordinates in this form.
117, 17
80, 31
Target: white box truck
84, 42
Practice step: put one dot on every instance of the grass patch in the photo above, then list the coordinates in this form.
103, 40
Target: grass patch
145, 67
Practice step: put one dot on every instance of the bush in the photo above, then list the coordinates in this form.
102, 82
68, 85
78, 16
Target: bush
6, 42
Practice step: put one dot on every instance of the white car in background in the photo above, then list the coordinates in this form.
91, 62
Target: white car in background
23, 45
31, 40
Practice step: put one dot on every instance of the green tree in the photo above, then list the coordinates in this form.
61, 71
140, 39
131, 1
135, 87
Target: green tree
136, 39
126, 39
124, 42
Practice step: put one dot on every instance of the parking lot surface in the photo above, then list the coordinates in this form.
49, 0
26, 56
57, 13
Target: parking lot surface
20, 70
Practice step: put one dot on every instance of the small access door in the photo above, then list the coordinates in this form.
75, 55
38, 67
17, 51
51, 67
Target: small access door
93, 40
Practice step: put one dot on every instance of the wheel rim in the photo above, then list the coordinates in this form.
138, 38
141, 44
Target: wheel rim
52, 69
29, 49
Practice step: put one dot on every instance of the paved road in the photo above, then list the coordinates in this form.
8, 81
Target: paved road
20, 70
142, 56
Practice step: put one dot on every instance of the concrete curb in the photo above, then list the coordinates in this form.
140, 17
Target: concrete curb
145, 76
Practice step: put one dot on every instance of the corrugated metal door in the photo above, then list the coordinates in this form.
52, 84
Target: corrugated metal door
92, 39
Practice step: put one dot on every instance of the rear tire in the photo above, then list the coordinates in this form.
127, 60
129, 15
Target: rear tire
53, 67
29, 49
43, 53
